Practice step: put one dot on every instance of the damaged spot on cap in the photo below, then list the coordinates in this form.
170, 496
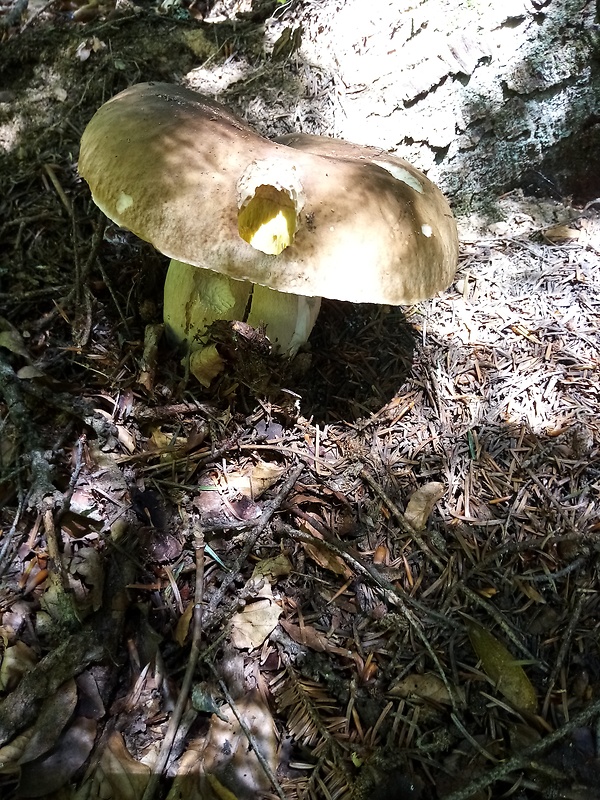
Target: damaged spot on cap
401, 174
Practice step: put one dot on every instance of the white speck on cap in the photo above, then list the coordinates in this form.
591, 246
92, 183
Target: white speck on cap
426, 230
124, 202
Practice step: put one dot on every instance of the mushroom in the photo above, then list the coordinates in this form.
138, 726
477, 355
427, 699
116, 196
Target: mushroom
272, 225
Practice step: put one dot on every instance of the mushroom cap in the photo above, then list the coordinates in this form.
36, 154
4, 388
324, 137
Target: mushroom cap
177, 169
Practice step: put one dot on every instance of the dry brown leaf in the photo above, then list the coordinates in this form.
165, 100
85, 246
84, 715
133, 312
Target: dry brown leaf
502, 668
164, 441
220, 791
529, 591
183, 625
185, 785
30, 372
272, 568
326, 559
120, 773
428, 687
561, 232
250, 627
306, 635
12, 752
11, 339
321, 554
88, 565
227, 755
206, 364
255, 480
421, 504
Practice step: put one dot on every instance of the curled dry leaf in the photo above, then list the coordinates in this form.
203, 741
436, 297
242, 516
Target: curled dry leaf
254, 481
421, 504
561, 233
502, 668
183, 625
11, 339
30, 372
321, 554
17, 659
206, 364
88, 565
326, 559
12, 752
89, 46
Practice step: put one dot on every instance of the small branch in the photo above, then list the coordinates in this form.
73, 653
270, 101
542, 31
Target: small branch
524, 759
401, 520
500, 620
564, 647
388, 591
269, 510
8, 550
66, 503
186, 685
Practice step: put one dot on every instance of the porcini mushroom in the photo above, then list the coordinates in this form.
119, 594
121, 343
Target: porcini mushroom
273, 225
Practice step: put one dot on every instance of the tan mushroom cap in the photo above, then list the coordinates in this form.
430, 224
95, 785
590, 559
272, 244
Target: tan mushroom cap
175, 168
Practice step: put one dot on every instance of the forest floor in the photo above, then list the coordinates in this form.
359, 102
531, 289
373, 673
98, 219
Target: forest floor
375, 574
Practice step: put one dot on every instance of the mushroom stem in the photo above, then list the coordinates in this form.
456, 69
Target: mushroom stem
195, 298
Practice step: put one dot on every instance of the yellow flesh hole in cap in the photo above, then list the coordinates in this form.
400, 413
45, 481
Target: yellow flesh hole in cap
268, 221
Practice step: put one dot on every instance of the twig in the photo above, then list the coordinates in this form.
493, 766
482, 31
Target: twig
531, 543
563, 649
500, 620
389, 592
49, 170
109, 286
34, 294
550, 577
524, 758
66, 503
38, 13
401, 519
186, 685
269, 511
472, 740
143, 413
7, 552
